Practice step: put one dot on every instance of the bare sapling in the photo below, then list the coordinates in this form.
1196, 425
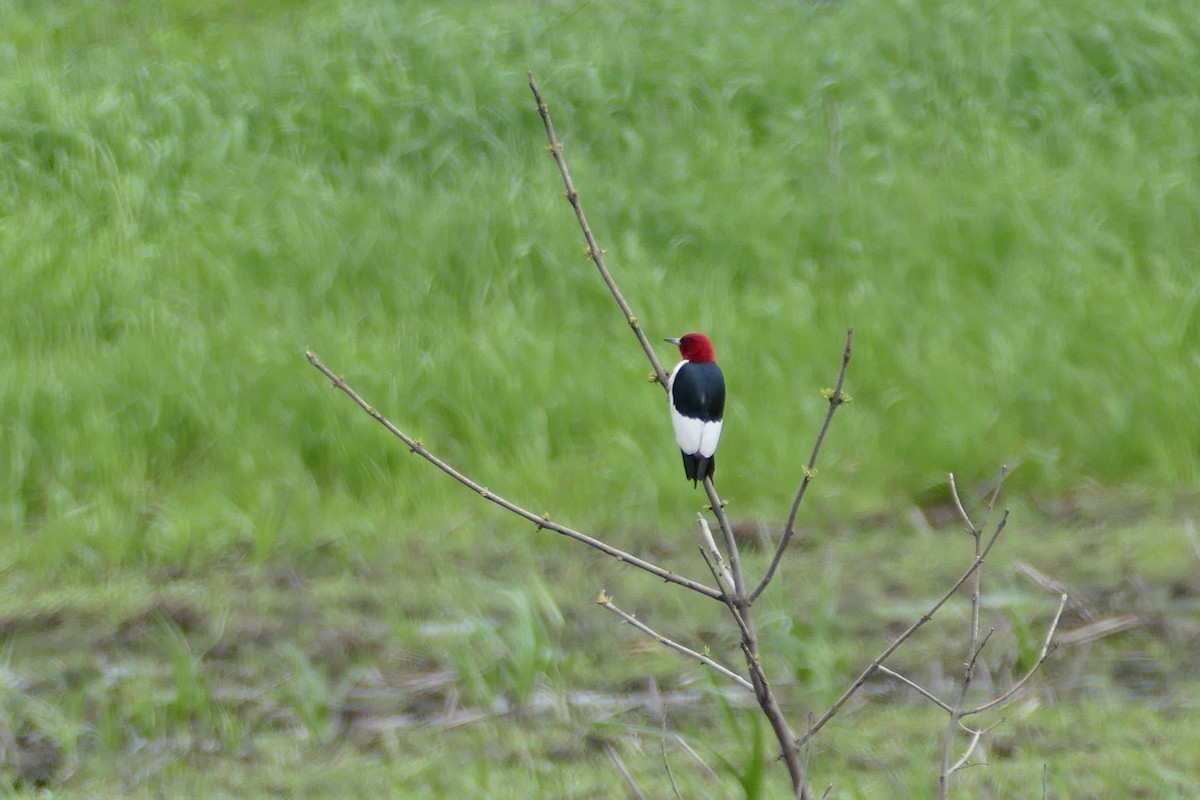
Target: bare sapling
731, 586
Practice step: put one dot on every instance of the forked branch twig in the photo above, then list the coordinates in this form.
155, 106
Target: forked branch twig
974, 646
903, 637
1047, 648
957, 710
836, 400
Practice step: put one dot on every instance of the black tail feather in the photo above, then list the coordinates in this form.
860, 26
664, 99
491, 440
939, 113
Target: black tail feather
697, 467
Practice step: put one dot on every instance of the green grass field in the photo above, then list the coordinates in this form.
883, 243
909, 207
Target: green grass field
221, 579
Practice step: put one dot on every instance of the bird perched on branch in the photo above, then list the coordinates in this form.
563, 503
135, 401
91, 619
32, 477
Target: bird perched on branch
697, 394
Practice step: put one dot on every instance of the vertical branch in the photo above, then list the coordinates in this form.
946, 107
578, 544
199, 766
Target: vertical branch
974, 646
714, 557
956, 715
740, 608
731, 549
737, 600
975, 532
956, 708
594, 251
774, 715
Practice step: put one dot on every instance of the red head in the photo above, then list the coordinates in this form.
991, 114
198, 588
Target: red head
695, 347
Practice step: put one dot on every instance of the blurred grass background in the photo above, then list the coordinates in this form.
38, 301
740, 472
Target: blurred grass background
1001, 198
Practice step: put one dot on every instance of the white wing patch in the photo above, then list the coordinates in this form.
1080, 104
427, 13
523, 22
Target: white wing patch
694, 436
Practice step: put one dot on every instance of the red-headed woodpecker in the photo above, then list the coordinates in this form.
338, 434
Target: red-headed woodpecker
697, 393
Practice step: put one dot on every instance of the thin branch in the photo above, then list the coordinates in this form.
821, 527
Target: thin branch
930, 696
1045, 652
958, 505
976, 595
908, 632
594, 251
740, 608
974, 659
774, 714
718, 568
736, 600
836, 400
976, 736
956, 715
974, 646
730, 600
606, 601
991, 504
540, 520
807, 752
731, 548
739, 603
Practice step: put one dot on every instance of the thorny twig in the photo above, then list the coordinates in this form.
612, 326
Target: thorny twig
540, 520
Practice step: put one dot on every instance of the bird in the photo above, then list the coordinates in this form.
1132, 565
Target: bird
696, 390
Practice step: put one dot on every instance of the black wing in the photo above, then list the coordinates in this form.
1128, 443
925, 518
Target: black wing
699, 391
